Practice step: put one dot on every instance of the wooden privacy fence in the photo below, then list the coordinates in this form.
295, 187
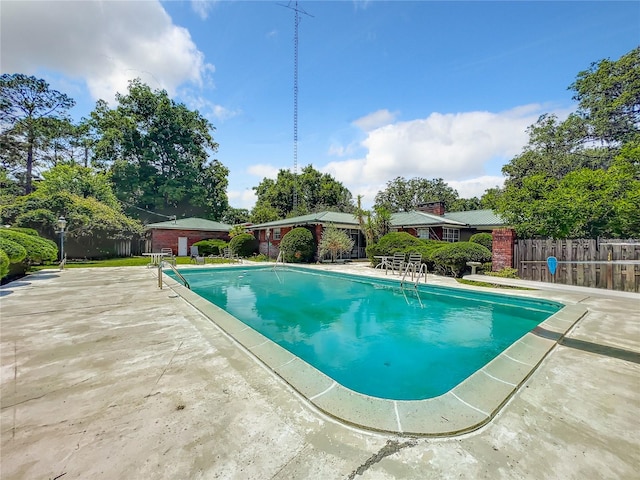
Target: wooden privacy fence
601, 263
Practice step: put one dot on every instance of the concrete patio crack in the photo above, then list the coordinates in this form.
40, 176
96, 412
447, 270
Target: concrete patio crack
391, 447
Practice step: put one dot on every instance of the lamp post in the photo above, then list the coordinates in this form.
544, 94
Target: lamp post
62, 223
268, 235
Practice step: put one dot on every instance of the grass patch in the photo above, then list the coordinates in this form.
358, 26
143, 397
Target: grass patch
473, 283
121, 262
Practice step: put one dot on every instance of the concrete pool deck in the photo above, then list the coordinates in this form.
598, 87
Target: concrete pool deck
106, 376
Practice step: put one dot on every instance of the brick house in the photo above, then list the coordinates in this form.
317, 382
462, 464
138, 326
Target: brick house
429, 222
269, 234
179, 235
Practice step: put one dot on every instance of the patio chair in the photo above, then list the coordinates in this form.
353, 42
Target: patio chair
397, 262
229, 255
195, 257
415, 259
169, 257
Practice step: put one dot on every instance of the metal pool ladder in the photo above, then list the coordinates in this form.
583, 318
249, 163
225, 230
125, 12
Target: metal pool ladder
279, 259
417, 270
163, 262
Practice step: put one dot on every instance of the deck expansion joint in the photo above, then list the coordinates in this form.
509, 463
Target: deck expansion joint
325, 391
395, 408
518, 361
497, 379
471, 406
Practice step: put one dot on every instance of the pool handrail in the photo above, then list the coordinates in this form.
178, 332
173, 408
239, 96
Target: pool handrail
281, 258
416, 270
164, 262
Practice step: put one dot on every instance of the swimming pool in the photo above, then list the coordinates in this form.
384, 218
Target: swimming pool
370, 353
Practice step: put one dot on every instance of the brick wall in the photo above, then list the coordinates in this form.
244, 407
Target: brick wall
169, 238
503, 241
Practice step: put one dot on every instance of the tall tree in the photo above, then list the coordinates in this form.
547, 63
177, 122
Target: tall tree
28, 107
158, 153
316, 191
403, 195
609, 98
580, 177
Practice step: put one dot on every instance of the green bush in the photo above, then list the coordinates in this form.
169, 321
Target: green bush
298, 246
38, 249
14, 251
484, 239
506, 272
244, 245
4, 264
28, 231
453, 258
403, 242
212, 246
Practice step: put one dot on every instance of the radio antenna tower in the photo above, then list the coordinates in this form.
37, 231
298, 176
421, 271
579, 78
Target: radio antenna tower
293, 5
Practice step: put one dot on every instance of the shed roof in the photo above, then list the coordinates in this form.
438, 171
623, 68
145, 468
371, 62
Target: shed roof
191, 223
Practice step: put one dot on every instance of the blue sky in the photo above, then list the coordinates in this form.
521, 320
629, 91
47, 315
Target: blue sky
386, 88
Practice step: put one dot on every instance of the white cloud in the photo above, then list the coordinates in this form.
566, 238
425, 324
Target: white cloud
454, 146
465, 149
375, 120
202, 7
475, 187
105, 43
242, 198
262, 171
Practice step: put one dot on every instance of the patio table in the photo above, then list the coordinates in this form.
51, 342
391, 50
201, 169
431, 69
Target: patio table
385, 261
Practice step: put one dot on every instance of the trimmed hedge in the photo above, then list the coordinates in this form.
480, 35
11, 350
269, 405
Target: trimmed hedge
484, 239
28, 231
14, 251
4, 264
453, 258
298, 246
213, 246
38, 249
244, 245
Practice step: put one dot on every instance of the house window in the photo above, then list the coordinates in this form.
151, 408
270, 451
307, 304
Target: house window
450, 234
423, 233
276, 234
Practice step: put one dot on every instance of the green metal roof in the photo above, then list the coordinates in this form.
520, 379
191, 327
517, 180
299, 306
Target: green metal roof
415, 218
476, 218
336, 218
191, 223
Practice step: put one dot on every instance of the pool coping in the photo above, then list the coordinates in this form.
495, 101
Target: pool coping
466, 407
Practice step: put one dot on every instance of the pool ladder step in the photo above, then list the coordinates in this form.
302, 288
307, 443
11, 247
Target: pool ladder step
417, 270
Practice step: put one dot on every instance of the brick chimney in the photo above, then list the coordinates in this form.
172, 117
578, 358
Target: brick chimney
435, 208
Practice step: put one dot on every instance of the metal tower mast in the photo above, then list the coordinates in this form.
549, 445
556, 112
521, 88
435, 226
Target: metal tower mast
297, 19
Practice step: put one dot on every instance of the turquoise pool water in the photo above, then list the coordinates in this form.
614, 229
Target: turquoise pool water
370, 335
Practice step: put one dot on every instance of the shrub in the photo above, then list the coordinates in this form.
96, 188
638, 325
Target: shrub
28, 231
453, 258
4, 264
403, 242
212, 246
14, 251
334, 242
484, 239
298, 246
506, 272
244, 245
38, 249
